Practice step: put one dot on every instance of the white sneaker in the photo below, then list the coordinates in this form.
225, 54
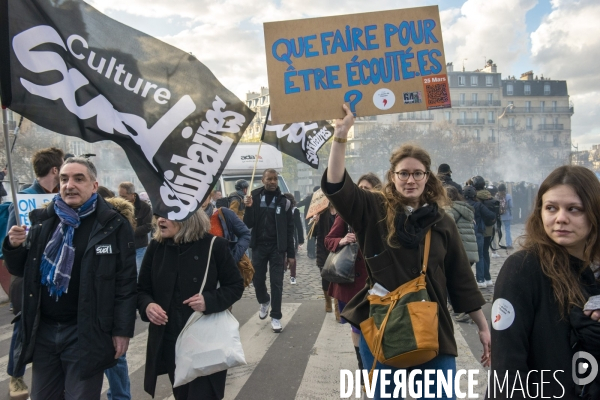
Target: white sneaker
276, 325
264, 310
292, 280
495, 255
489, 283
481, 285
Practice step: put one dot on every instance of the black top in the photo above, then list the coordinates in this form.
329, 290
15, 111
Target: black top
528, 333
65, 309
265, 228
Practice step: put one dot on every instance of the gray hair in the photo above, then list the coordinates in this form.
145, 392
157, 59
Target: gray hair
128, 186
192, 229
87, 163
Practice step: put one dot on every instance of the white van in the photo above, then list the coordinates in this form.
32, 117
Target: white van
241, 163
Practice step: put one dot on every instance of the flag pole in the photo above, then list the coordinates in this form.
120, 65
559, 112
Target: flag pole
254, 169
13, 186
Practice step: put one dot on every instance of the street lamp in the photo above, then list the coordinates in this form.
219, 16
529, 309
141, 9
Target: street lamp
511, 106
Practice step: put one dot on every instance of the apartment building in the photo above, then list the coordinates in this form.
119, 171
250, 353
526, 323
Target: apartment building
259, 103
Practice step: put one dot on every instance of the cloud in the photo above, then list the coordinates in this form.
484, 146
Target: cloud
566, 46
481, 28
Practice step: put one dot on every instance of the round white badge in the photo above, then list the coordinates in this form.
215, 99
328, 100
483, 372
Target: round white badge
384, 99
503, 314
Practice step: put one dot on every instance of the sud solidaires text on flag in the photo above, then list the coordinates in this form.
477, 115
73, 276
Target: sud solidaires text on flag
301, 140
73, 70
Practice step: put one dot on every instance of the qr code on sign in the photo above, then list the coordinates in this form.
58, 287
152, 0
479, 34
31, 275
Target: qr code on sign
437, 94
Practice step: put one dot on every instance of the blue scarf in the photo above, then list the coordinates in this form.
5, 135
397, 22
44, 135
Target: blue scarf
59, 254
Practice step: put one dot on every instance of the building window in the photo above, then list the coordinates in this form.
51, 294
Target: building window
556, 141
447, 115
490, 98
546, 89
528, 106
555, 122
543, 120
509, 89
529, 123
461, 80
554, 106
476, 116
491, 117
461, 99
527, 90
542, 106
474, 98
511, 122
477, 135
489, 80
492, 136
463, 115
474, 80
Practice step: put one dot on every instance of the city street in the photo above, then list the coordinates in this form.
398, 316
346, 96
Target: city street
302, 362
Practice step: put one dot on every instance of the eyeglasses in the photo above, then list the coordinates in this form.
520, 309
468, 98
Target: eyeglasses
417, 175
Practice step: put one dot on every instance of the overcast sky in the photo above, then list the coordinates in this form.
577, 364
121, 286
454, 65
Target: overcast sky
557, 38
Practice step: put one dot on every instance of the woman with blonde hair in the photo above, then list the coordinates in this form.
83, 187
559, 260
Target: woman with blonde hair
391, 227
170, 279
541, 289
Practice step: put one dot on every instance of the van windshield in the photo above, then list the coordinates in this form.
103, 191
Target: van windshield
229, 182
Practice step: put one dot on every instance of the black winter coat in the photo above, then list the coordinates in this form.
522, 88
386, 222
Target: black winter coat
284, 221
107, 293
163, 268
143, 219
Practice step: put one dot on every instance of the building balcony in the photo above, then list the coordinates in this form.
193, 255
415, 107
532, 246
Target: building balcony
538, 110
406, 117
551, 127
476, 103
478, 121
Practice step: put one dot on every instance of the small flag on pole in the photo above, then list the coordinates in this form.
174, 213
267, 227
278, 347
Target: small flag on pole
301, 140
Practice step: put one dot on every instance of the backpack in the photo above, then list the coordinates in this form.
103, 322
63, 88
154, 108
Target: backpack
503, 205
494, 206
226, 201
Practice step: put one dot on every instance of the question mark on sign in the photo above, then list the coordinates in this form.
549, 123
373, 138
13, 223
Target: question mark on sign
353, 97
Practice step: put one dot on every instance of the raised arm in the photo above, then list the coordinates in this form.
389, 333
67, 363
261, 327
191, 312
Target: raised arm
337, 161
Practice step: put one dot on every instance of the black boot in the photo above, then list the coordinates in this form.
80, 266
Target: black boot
360, 364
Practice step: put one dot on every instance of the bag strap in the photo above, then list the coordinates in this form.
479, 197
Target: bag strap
207, 264
426, 252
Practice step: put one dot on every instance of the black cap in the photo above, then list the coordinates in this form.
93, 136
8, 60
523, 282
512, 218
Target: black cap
444, 169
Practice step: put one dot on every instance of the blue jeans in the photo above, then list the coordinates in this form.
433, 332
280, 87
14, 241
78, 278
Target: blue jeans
507, 237
443, 364
480, 266
118, 380
139, 256
13, 342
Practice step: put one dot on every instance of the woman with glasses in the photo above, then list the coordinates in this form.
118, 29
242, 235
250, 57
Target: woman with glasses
390, 227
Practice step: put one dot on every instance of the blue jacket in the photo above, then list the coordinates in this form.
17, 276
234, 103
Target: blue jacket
236, 232
481, 213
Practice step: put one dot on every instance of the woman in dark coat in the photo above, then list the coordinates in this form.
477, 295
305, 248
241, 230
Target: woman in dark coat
338, 237
324, 222
168, 286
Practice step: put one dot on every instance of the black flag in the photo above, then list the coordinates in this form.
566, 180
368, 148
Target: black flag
301, 140
73, 70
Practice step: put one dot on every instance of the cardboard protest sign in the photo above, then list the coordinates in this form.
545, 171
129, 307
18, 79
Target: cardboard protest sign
26, 203
378, 63
318, 204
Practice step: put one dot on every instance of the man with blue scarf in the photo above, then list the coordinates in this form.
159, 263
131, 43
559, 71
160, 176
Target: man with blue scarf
79, 284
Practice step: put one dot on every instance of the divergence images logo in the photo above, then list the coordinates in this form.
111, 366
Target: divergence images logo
584, 363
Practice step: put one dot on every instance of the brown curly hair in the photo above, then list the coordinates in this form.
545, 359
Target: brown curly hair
394, 202
554, 258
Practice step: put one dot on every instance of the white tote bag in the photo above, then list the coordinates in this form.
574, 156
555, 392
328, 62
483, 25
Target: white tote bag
208, 343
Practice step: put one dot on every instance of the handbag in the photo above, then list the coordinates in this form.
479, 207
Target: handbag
339, 266
402, 330
207, 343
244, 265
